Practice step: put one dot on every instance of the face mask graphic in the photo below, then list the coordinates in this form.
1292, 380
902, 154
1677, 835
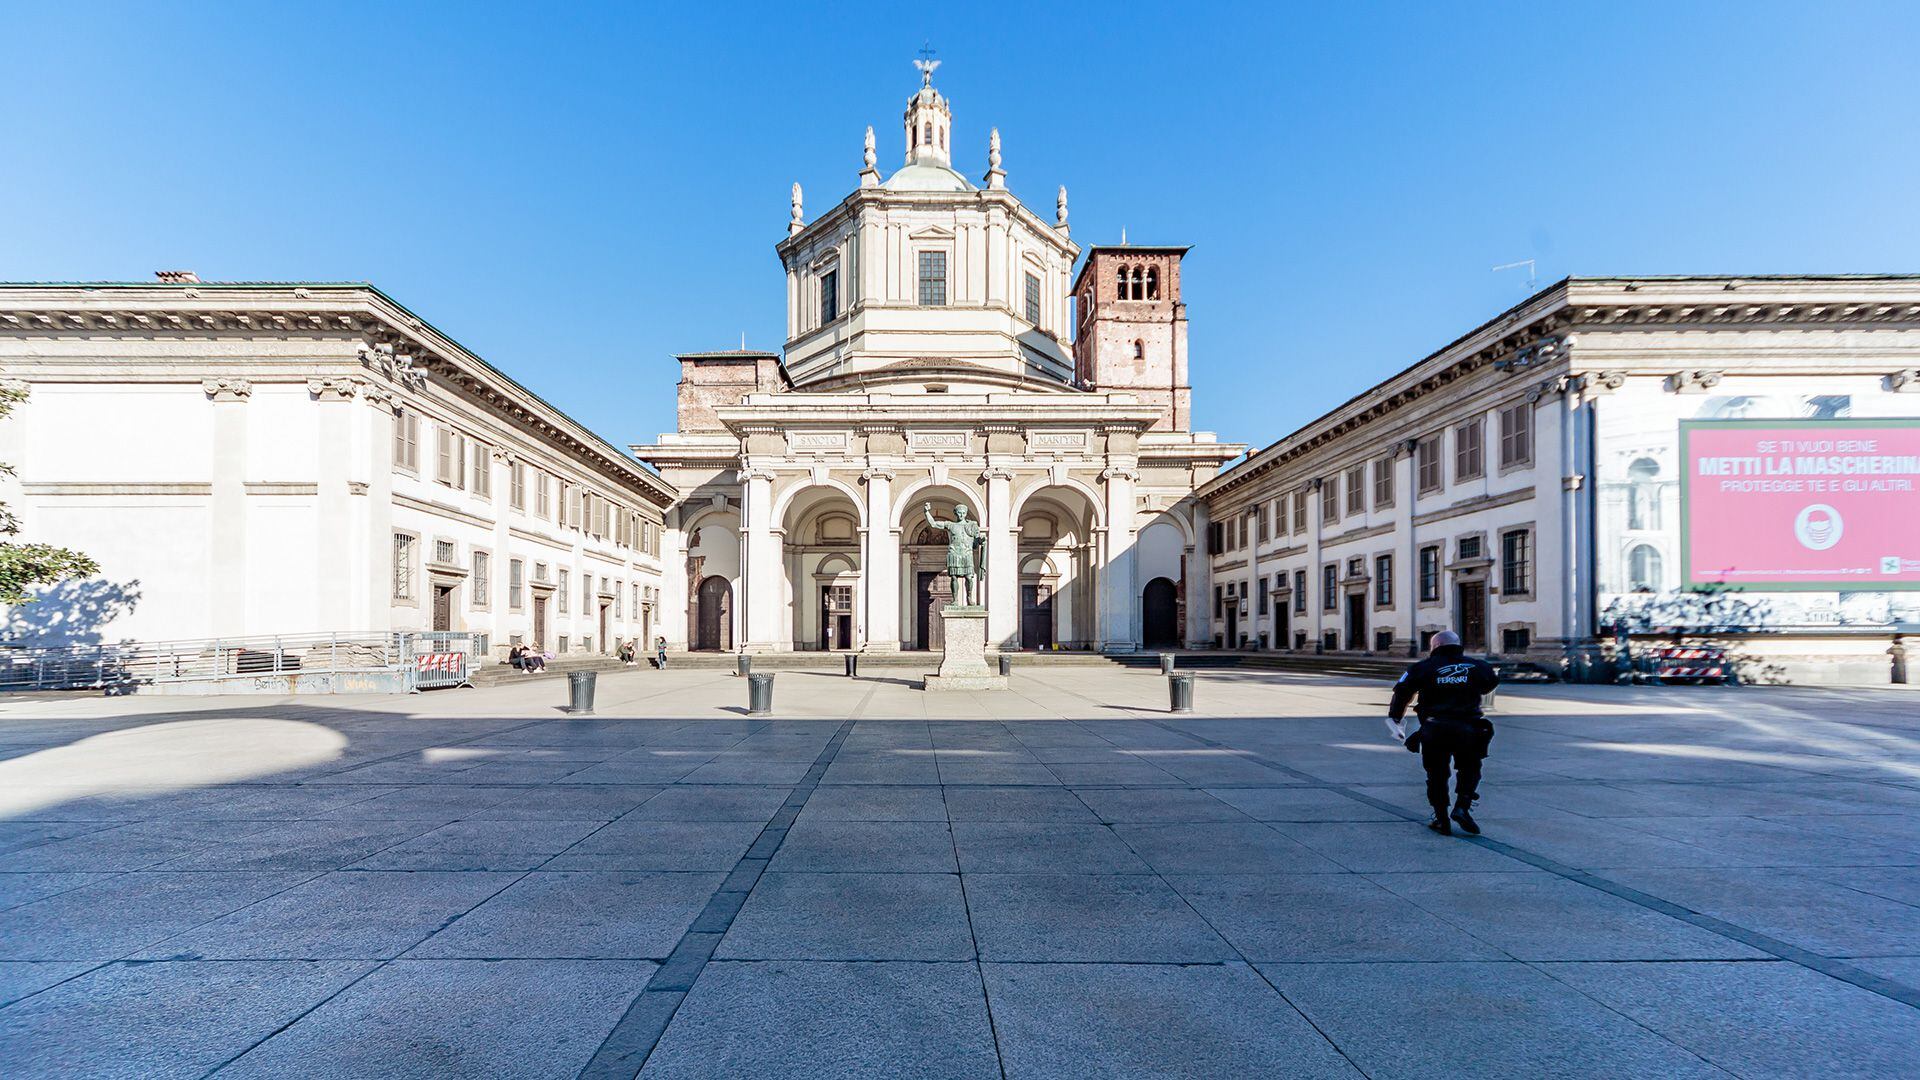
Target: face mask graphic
1818, 527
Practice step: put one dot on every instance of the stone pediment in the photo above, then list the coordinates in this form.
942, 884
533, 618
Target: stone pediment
931, 232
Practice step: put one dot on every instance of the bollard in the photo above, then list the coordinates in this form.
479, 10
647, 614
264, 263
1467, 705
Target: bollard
1166, 663
745, 665
580, 691
853, 665
759, 694
1006, 664
1180, 692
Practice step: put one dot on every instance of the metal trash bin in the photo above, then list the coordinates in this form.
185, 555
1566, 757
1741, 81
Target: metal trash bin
1166, 663
744, 665
853, 665
1180, 692
580, 691
1006, 664
759, 693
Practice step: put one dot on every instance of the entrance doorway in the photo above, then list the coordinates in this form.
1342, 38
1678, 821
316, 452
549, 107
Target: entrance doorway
716, 615
1233, 623
931, 592
1036, 615
606, 639
836, 617
1357, 622
1280, 639
1470, 615
443, 607
1160, 625
540, 621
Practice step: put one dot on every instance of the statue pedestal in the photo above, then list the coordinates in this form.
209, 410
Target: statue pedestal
964, 664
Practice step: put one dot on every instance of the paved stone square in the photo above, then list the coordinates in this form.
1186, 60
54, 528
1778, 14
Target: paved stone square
1064, 879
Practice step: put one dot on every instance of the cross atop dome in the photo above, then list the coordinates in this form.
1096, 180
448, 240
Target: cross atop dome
926, 64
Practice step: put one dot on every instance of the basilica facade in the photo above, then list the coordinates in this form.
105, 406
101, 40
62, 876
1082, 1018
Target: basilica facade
942, 354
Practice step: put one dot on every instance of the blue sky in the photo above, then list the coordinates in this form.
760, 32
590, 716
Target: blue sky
578, 192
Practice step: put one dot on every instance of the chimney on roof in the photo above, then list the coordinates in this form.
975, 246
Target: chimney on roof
177, 277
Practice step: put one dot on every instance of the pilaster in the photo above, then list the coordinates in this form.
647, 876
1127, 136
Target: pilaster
227, 508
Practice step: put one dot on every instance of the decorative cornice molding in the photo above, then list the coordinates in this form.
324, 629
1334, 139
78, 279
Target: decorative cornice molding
227, 389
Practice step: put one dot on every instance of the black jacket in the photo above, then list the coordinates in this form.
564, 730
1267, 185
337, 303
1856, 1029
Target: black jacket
1450, 684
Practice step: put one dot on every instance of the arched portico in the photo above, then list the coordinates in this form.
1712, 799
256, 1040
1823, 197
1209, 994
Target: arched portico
924, 586
820, 544
1057, 526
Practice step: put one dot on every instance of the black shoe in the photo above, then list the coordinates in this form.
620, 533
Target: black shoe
1466, 820
1439, 824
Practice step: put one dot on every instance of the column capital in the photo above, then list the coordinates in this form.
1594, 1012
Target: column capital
333, 389
227, 389
870, 475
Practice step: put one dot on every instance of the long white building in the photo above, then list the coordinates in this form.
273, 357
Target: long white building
1531, 486
254, 459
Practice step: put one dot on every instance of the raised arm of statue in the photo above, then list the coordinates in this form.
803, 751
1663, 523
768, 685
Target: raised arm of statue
927, 509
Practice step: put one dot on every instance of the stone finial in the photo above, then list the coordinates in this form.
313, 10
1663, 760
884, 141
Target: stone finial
996, 176
869, 176
799, 221
1060, 210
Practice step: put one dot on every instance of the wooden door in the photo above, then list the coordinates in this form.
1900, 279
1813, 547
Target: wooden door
716, 615
540, 621
1160, 622
1470, 615
1036, 615
1356, 622
606, 641
443, 607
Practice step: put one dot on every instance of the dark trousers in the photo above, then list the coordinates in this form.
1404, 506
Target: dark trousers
1443, 751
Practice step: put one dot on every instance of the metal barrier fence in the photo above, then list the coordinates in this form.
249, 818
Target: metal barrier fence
68, 667
429, 659
437, 658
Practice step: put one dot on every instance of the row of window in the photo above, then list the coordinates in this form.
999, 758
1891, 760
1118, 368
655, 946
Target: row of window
931, 268
406, 575
1373, 482
1134, 283
1516, 575
465, 464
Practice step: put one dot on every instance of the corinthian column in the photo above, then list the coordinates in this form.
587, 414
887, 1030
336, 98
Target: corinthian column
763, 576
1003, 564
880, 564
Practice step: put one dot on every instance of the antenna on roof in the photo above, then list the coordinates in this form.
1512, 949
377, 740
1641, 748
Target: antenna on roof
1528, 263
1123, 236
743, 341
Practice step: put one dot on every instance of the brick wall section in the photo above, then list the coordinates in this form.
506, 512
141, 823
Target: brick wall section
711, 380
1135, 345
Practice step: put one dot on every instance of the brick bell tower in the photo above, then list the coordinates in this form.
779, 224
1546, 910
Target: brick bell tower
1132, 334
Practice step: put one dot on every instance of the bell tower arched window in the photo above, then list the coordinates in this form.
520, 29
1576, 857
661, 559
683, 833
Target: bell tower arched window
1122, 293
1139, 284
926, 134
1153, 283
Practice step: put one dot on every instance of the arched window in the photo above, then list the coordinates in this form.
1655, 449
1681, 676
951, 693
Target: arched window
1643, 568
943, 138
1153, 283
1643, 494
1139, 287
926, 134
1122, 294
1139, 349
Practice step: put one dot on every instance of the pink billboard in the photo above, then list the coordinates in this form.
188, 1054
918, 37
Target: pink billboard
1801, 504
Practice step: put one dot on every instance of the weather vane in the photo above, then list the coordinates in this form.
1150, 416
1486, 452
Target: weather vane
926, 63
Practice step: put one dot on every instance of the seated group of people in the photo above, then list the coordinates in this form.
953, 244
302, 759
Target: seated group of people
531, 659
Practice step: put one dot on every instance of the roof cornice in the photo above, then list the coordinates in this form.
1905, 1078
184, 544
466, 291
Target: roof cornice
355, 308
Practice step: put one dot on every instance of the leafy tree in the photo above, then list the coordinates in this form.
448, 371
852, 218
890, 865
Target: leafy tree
23, 566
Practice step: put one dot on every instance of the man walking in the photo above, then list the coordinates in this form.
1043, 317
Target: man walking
1453, 735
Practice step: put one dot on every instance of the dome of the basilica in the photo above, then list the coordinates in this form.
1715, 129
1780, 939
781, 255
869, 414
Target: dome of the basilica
927, 176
